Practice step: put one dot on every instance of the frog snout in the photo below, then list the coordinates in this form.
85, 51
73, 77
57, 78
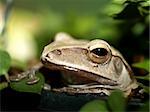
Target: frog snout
52, 55
47, 57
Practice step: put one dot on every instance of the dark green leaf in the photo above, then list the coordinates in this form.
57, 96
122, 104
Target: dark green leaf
133, 9
147, 77
117, 101
129, 12
22, 85
144, 64
145, 107
5, 61
95, 106
138, 29
3, 85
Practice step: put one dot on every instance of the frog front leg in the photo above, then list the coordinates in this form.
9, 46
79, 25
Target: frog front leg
30, 74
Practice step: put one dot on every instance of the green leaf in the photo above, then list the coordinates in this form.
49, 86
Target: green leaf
5, 61
144, 64
145, 107
3, 85
147, 77
138, 28
22, 86
117, 101
95, 106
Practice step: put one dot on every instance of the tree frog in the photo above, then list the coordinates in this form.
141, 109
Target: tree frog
88, 66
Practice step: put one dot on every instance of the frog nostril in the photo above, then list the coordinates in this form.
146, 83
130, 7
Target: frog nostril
48, 56
57, 52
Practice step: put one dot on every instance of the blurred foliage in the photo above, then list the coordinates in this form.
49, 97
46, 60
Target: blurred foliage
117, 21
144, 64
111, 104
94, 106
32, 24
145, 107
3, 85
147, 77
119, 104
116, 102
133, 9
22, 85
5, 62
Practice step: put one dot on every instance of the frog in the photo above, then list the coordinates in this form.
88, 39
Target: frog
88, 66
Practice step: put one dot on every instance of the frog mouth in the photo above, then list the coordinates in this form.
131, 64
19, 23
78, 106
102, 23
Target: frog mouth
92, 77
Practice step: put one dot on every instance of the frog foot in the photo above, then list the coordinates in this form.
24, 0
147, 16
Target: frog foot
18, 77
32, 78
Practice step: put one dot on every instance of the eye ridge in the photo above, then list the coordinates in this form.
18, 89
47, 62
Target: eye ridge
100, 51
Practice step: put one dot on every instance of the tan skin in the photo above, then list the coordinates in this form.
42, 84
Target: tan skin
87, 66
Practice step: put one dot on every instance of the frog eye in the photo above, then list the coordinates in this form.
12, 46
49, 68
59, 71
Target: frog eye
99, 52
99, 55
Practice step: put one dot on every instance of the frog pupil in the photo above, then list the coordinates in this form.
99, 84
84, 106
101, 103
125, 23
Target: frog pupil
100, 51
